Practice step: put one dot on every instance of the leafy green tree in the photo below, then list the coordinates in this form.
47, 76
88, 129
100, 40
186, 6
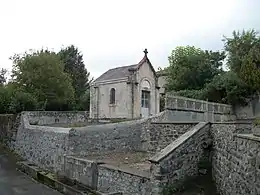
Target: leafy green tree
227, 88
75, 67
41, 73
190, 68
238, 46
3, 76
250, 68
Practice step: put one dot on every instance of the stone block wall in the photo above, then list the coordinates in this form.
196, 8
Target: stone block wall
43, 146
112, 179
106, 178
235, 159
180, 160
187, 109
161, 134
7, 122
81, 170
125, 136
53, 117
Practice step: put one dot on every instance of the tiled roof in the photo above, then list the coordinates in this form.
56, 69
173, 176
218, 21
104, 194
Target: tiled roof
116, 73
123, 71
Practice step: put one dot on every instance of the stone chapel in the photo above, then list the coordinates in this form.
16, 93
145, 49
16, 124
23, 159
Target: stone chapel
129, 91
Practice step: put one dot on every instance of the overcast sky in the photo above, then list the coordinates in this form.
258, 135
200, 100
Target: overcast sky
113, 33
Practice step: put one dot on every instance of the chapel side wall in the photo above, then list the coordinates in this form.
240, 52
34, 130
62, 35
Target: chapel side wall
122, 106
145, 72
235, 159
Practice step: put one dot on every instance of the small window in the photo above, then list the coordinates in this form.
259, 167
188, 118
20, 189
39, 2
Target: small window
112, 96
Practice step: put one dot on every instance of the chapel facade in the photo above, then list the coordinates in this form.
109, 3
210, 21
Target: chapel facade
126, 92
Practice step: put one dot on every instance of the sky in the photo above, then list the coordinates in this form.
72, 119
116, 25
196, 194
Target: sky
111, 33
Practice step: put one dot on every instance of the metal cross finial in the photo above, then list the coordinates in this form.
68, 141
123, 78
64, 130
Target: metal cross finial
145, 52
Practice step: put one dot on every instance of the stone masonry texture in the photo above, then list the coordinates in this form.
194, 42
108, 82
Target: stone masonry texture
235, 159
181, 160
111, 179
234, 153
162, 134
51, 117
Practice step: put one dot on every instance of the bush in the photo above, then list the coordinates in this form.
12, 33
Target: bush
22, 101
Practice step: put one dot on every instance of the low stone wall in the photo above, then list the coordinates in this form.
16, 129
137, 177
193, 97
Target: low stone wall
81, 170
43, 146
106, 178
53, 117
112, 179
161, 134
7, 122
180, 160
124, 136
187, 109
235, 159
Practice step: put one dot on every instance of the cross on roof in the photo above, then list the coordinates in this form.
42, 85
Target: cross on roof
145, 52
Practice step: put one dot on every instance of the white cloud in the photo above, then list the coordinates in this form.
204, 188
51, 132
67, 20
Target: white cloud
115, 32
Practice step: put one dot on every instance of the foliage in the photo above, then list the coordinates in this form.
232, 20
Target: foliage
83, 103
250, 71
21, 101
191, 68
75, 67
162, 103
228, 88
41, 74
195, 73
2, 76
14, 100
238, 46
256, 122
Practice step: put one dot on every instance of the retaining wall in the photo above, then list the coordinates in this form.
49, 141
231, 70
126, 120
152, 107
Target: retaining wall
106, 178
54, 117
43, 146
180, 159
187, 109
236, 159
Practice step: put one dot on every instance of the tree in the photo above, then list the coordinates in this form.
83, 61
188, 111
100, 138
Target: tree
75, 67
191, 68
41, 73
227, 88
250, 67
2, 76
238, 46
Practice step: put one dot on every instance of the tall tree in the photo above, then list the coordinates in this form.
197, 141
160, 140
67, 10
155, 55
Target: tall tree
75, 67
3, 76
41, 73
191, 68
238, 46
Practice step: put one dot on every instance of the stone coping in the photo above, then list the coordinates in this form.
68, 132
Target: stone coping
177, 143
120, 124
232, 122
50, 180
176, 122
111, 167
27, 125
248, 136
124, 170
